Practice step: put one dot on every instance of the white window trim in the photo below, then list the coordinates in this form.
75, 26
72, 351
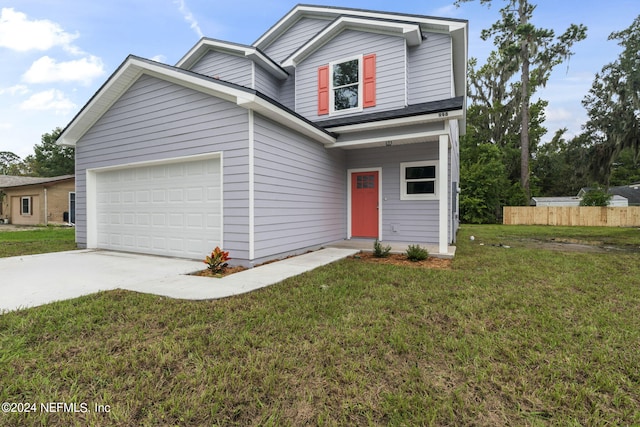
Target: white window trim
30, 206
403, 181
332, 110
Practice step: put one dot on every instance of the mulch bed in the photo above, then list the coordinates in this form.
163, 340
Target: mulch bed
401, 259
227, 271
392, 259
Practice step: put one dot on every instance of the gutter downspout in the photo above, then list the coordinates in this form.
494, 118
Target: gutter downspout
46, 208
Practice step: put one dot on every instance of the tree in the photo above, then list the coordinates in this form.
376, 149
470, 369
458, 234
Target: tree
532, 51
561, 167
626, 168
483, 182
51, 159
10, 163
596, 197
613, 104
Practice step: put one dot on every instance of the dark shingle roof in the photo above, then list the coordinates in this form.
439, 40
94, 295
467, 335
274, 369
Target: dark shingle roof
450, 104
630, 192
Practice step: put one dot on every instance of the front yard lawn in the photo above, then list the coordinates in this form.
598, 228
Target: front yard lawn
36, 241
508, 336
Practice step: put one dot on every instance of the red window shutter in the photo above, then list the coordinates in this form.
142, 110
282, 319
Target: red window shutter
323, 90
369, 80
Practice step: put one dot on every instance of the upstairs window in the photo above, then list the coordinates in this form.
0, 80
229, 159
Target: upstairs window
347, 85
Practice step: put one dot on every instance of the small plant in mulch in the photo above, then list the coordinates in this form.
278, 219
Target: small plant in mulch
217, 261
416, 253
380, 251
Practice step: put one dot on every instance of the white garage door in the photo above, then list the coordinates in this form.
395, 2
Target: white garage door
170, 209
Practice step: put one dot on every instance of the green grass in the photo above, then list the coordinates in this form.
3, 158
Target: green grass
519, 336
36, 241
624, 238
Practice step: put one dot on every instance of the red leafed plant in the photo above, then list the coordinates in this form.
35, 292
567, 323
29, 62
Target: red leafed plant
217, 261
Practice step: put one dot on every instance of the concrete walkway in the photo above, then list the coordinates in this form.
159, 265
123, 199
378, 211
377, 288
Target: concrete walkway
28, 281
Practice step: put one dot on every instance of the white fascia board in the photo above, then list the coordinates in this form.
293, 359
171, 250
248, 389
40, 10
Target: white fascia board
411, 32
268, 110
280, 26
258, 57
432, 23
128, 73
400, 139
402, 121
133, 68
106, 96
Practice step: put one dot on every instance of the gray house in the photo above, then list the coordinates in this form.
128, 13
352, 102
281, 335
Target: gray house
335, 124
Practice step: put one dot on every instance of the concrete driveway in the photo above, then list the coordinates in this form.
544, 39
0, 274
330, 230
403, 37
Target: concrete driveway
31, 280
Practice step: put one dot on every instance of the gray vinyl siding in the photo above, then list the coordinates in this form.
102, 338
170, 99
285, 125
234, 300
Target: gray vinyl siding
155, 120
266, 83
287, 94
390, 70
225, 66
430, 69
300, 191
296, 36
416, 221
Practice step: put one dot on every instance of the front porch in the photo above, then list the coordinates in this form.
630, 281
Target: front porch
396, 247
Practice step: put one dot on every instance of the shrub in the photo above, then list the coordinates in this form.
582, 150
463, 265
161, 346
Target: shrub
380, 251
416, 253
217, 261
596, 197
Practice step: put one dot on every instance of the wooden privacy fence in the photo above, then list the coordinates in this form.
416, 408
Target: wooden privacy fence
573, 215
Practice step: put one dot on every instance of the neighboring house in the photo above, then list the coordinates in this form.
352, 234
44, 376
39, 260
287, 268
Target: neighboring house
630, 192
37, 201
335, 124
555, 201
573, 201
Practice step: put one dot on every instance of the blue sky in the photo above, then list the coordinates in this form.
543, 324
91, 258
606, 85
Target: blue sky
55, 54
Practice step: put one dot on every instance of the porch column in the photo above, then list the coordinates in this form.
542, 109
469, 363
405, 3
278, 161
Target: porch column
443, 193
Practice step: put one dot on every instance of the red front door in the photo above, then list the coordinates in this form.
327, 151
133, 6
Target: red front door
364, 204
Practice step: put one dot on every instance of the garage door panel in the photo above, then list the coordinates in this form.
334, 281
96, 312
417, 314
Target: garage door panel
170, 209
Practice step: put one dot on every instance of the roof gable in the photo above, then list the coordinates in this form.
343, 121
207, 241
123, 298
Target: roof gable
409, 30
457, 28
206, 44
327, 12
133, 67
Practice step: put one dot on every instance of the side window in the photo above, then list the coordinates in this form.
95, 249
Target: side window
418, 180
25, 206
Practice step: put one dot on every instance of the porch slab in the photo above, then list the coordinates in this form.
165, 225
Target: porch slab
366, 245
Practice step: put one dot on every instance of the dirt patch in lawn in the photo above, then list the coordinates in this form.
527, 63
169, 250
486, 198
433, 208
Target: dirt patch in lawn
401, 260
575, 245
12, 227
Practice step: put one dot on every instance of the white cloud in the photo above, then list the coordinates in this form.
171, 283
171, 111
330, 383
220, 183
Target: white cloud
15, 90
19, 33
52, 99
47, 70
5, 126
159, 58
449, 11
188, 16
558, 114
